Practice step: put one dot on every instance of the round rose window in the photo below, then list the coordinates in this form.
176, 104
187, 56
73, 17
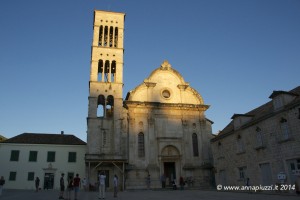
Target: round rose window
166, 94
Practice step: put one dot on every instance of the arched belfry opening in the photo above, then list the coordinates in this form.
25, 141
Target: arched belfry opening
113, 70
110, 106
101, 106
100, 70
106, 71
108, 36
105, 107
105, 36
116, 37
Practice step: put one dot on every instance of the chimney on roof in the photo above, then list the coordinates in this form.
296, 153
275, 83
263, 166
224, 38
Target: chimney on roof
62, 132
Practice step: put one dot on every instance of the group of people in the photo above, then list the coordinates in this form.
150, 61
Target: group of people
75, 183
72, 184
163, 180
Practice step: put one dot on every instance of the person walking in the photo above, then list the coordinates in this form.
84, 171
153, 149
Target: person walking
115, 185
2, 182
37, 184
102, 178
76, 186
62, 186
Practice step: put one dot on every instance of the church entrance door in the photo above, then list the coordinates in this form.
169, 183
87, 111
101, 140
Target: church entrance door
170, 172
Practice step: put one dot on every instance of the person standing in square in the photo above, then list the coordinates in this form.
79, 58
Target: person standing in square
76, 182
62, 186
2, 182
115, 185
102, 178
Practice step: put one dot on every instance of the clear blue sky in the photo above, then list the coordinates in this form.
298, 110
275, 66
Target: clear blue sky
233, 52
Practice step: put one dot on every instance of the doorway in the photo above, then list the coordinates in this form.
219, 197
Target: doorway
170, 172
48, 181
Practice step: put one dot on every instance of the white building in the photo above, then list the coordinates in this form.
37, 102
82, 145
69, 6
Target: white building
27, 156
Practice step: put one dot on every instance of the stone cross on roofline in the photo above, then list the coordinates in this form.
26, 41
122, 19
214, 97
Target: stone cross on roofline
165, 65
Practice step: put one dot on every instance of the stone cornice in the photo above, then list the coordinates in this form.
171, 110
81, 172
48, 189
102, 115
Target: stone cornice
166, 105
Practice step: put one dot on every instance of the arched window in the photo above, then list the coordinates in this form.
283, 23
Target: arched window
110, 106
111, 30
141, 145
105, 36
106, 71
195, 145
100, 36
100, 106
116, 37
100, 70
113, 70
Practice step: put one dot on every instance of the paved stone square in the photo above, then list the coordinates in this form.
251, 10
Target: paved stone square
148, 195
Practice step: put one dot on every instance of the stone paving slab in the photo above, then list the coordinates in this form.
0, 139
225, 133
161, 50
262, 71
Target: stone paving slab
147, 195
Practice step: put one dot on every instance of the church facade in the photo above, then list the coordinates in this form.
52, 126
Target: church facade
159, 129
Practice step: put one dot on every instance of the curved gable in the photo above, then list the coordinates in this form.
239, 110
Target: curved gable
165, 85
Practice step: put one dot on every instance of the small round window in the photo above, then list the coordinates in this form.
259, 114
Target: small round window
166, 94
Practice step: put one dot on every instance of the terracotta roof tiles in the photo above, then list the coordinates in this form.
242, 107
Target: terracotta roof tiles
42, 138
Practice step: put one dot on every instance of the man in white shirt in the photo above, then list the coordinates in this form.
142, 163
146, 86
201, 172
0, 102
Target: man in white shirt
102, 178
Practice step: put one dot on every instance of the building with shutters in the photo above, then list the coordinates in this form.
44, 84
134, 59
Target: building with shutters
30, 155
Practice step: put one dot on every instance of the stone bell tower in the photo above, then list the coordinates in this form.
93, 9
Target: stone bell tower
105, 148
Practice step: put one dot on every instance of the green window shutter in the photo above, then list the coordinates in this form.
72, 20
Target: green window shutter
30, 176
14, 156
12, 176
72, 157
51, 156
33, 156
